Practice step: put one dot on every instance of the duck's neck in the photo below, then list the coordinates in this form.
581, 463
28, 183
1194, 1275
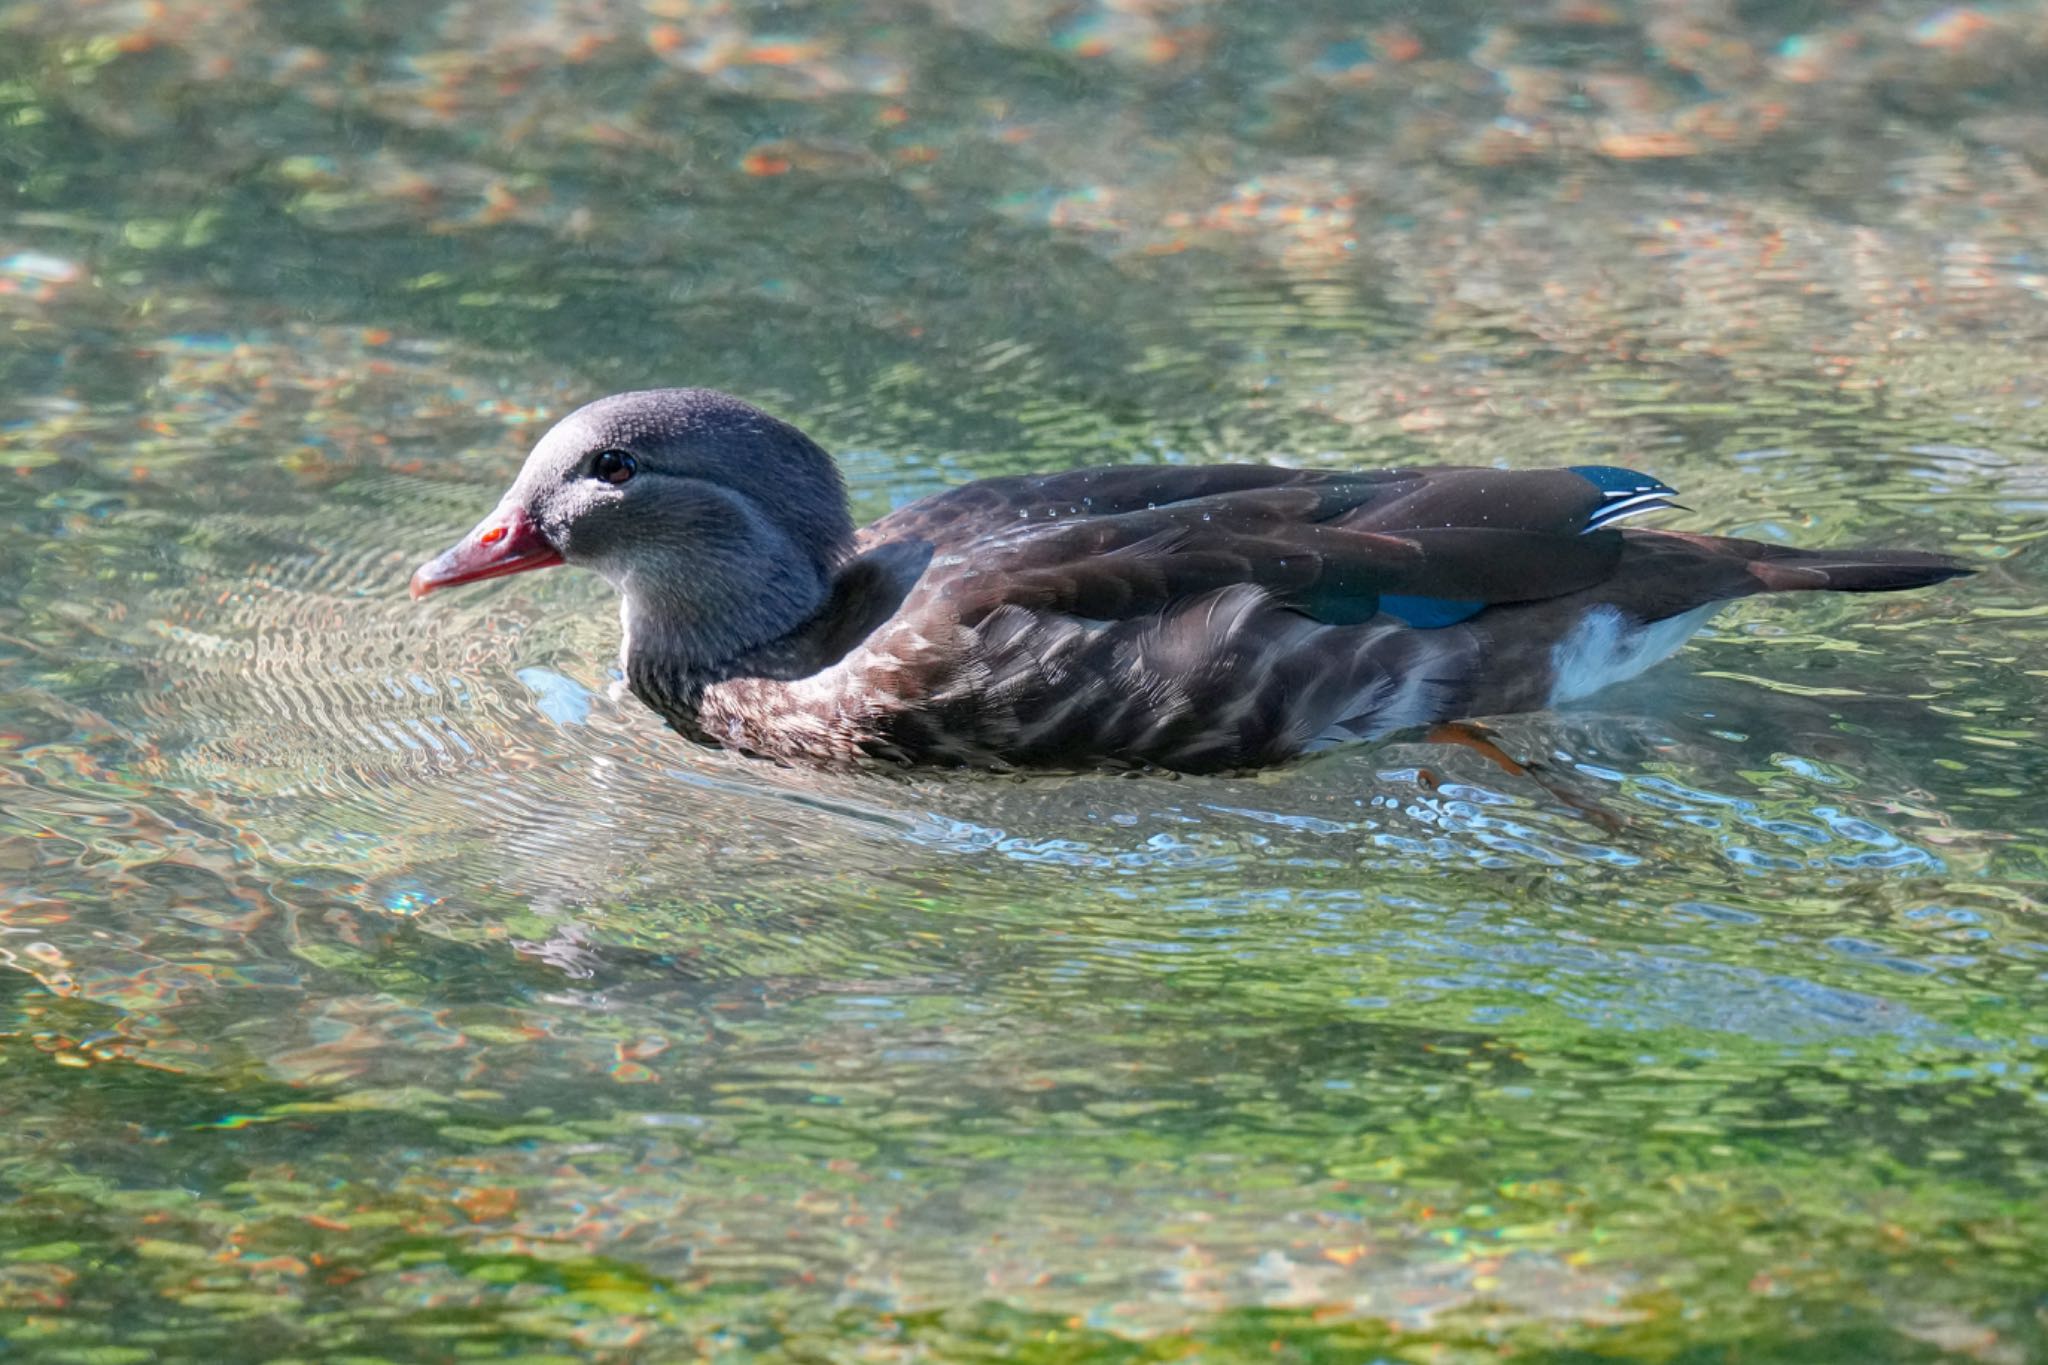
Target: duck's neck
670, 665
665, 679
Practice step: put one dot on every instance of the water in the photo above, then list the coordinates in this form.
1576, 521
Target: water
380, 988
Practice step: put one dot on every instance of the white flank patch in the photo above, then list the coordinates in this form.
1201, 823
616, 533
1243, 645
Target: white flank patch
1603, 649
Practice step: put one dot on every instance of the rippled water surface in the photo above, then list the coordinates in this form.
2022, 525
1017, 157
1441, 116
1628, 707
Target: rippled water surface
380, 988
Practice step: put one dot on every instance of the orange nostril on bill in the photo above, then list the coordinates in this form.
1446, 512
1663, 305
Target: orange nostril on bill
504, 542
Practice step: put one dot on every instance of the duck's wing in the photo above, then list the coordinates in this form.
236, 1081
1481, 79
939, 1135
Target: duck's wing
961, 515
1428, 547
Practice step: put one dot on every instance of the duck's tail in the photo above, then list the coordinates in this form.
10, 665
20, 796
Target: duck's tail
1665, 586
1667, 572
1780, 568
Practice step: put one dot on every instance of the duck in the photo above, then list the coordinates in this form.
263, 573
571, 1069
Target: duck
1213, 618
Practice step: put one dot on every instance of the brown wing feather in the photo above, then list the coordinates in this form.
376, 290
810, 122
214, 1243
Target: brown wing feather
1116, 543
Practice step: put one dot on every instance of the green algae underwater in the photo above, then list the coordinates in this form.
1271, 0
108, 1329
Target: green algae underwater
381, 989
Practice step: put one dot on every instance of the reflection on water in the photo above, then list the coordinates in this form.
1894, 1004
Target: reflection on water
382, 986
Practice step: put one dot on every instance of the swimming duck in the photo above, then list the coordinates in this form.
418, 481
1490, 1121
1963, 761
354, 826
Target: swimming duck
1200, 619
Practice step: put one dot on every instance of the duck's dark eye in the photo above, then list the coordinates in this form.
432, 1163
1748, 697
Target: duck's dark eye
613, 466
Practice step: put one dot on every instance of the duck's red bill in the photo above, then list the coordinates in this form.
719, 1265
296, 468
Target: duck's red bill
504, 542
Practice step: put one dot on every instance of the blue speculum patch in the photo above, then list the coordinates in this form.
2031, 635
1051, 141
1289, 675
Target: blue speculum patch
1429, 613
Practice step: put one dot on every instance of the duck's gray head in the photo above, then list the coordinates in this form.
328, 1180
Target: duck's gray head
719, 524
